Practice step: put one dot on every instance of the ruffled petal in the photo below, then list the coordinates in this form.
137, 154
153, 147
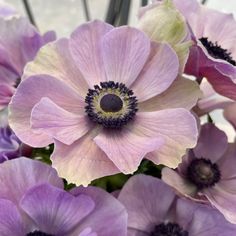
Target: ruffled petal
125, 51
183, 93
28, 94
83, 161
54, 210
86, 49
158, 73
18, 175
58, 123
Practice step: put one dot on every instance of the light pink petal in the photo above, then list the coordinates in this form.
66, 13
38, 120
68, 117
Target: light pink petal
125, 148
55, 59
158, 73
177, 127
176, 181
183, 93
125, 51
212, 143
83, 161
19, 175
86, 49
58, 123
230, 114
6, 93
28, 94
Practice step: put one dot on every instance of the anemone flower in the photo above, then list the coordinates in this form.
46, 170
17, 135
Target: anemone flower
19, 43
207, 173
106, 97
35, 204
154, 209
214, 53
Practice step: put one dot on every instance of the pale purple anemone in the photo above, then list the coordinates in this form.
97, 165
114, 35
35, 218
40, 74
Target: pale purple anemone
155, 210
106, 97
33, 203
19, 43
207, 173
214, 54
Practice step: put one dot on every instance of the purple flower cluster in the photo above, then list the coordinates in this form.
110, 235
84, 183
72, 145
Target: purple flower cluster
112, 107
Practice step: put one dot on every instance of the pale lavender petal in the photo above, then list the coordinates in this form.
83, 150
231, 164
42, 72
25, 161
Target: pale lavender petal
67, 127
86, 49
229, 114
212, 143
125, 148
83, 161
7, 10
158, 73
109, 216
10, 220
54, 210
125, 51
147, 200
6, 93
28, 94
18, 175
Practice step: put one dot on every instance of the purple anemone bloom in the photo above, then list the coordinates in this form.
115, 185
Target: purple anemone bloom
33, 203
214, 53
155, 210
19, 43
207, 172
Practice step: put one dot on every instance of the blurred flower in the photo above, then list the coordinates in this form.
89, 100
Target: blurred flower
154, 209
162, 22
214, 53
33, 202
106, 97
230, 114
19, 43
7, 10
207, 173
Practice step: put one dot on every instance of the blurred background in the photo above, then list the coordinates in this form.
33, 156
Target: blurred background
64, 16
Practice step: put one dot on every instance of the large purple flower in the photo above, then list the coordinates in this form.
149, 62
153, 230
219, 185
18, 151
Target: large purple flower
106, 97
33, 203
207, 173
19, 43
154, 209
214, 54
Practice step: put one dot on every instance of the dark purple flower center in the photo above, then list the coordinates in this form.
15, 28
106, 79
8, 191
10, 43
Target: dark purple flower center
217, 51
203, 173
168, 229
38, 233
111, 104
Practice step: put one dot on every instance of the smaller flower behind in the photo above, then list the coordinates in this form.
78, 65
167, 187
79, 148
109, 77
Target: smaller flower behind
154, 209
33, 203
107, 97
207, 172
19, 43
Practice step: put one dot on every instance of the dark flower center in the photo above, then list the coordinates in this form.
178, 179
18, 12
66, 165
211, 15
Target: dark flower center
111, 104
216, 51
168, 229
38, 233
17, 82
203, 173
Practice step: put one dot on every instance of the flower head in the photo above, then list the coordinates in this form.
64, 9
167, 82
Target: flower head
106, 97
19, 43
154, 209
207, 173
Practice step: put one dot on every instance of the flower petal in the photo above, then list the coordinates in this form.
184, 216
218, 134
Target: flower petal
126, 149
230, 114
86, 49
182, 93
159, 72
212, 143
29, 93
83, 161
142, 196
125, 51
58, 123
6, 93
54, 210
55, 59
109, 216
18, 175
